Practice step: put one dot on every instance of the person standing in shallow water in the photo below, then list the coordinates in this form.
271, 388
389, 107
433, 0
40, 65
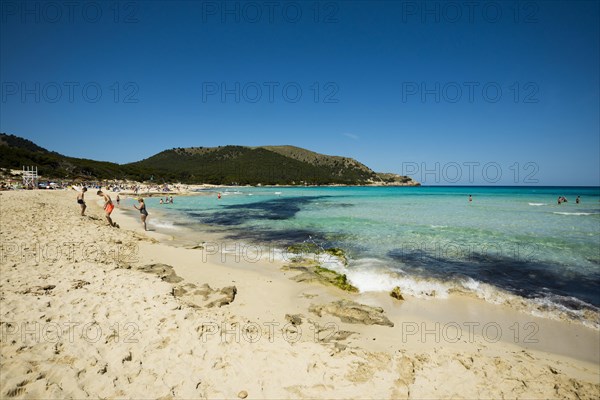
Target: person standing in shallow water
470, 198
81, 201
143, 212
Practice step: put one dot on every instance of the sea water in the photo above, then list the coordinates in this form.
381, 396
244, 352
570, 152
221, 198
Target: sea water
429, 241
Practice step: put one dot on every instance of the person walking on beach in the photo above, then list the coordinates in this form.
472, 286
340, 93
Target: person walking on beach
81, 201
143, 212
108, 207
118, 200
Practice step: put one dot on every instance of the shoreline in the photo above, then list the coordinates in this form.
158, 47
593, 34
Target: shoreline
485, 292
517, 325
185, 347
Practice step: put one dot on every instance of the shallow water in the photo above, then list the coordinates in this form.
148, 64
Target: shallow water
427, 240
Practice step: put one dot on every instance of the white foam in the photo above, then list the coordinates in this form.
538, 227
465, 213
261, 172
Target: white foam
549, 308
574, 213
484, 291
331, 262
543, 307
372, 275
369, 275
538, 204
379, 281
369, 262
371, 281
161, 224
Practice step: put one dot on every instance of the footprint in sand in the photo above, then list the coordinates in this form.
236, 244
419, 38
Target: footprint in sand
78, 284
15, 392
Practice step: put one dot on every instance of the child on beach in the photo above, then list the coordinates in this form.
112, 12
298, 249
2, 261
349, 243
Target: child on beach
143, 212
81, 201
108, 207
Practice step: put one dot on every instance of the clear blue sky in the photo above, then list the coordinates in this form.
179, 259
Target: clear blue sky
398, 85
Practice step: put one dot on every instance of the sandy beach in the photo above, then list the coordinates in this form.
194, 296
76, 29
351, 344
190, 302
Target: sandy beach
90, 311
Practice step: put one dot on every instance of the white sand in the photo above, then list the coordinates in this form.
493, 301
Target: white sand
89, 323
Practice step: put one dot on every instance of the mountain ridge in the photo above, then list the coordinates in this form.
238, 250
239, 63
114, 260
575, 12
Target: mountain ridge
230, 164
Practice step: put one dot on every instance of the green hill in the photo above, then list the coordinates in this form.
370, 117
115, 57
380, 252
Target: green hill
252, 165
317, 159
268, 165
16, 152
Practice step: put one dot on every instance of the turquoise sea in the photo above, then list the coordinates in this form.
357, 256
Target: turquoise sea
514, 241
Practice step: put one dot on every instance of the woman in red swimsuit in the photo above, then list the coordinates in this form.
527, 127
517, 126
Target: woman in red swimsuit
108, 207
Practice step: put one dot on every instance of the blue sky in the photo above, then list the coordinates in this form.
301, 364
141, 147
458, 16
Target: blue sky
507, 92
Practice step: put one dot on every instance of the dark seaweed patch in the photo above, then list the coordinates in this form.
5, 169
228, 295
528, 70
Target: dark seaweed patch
238, 214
